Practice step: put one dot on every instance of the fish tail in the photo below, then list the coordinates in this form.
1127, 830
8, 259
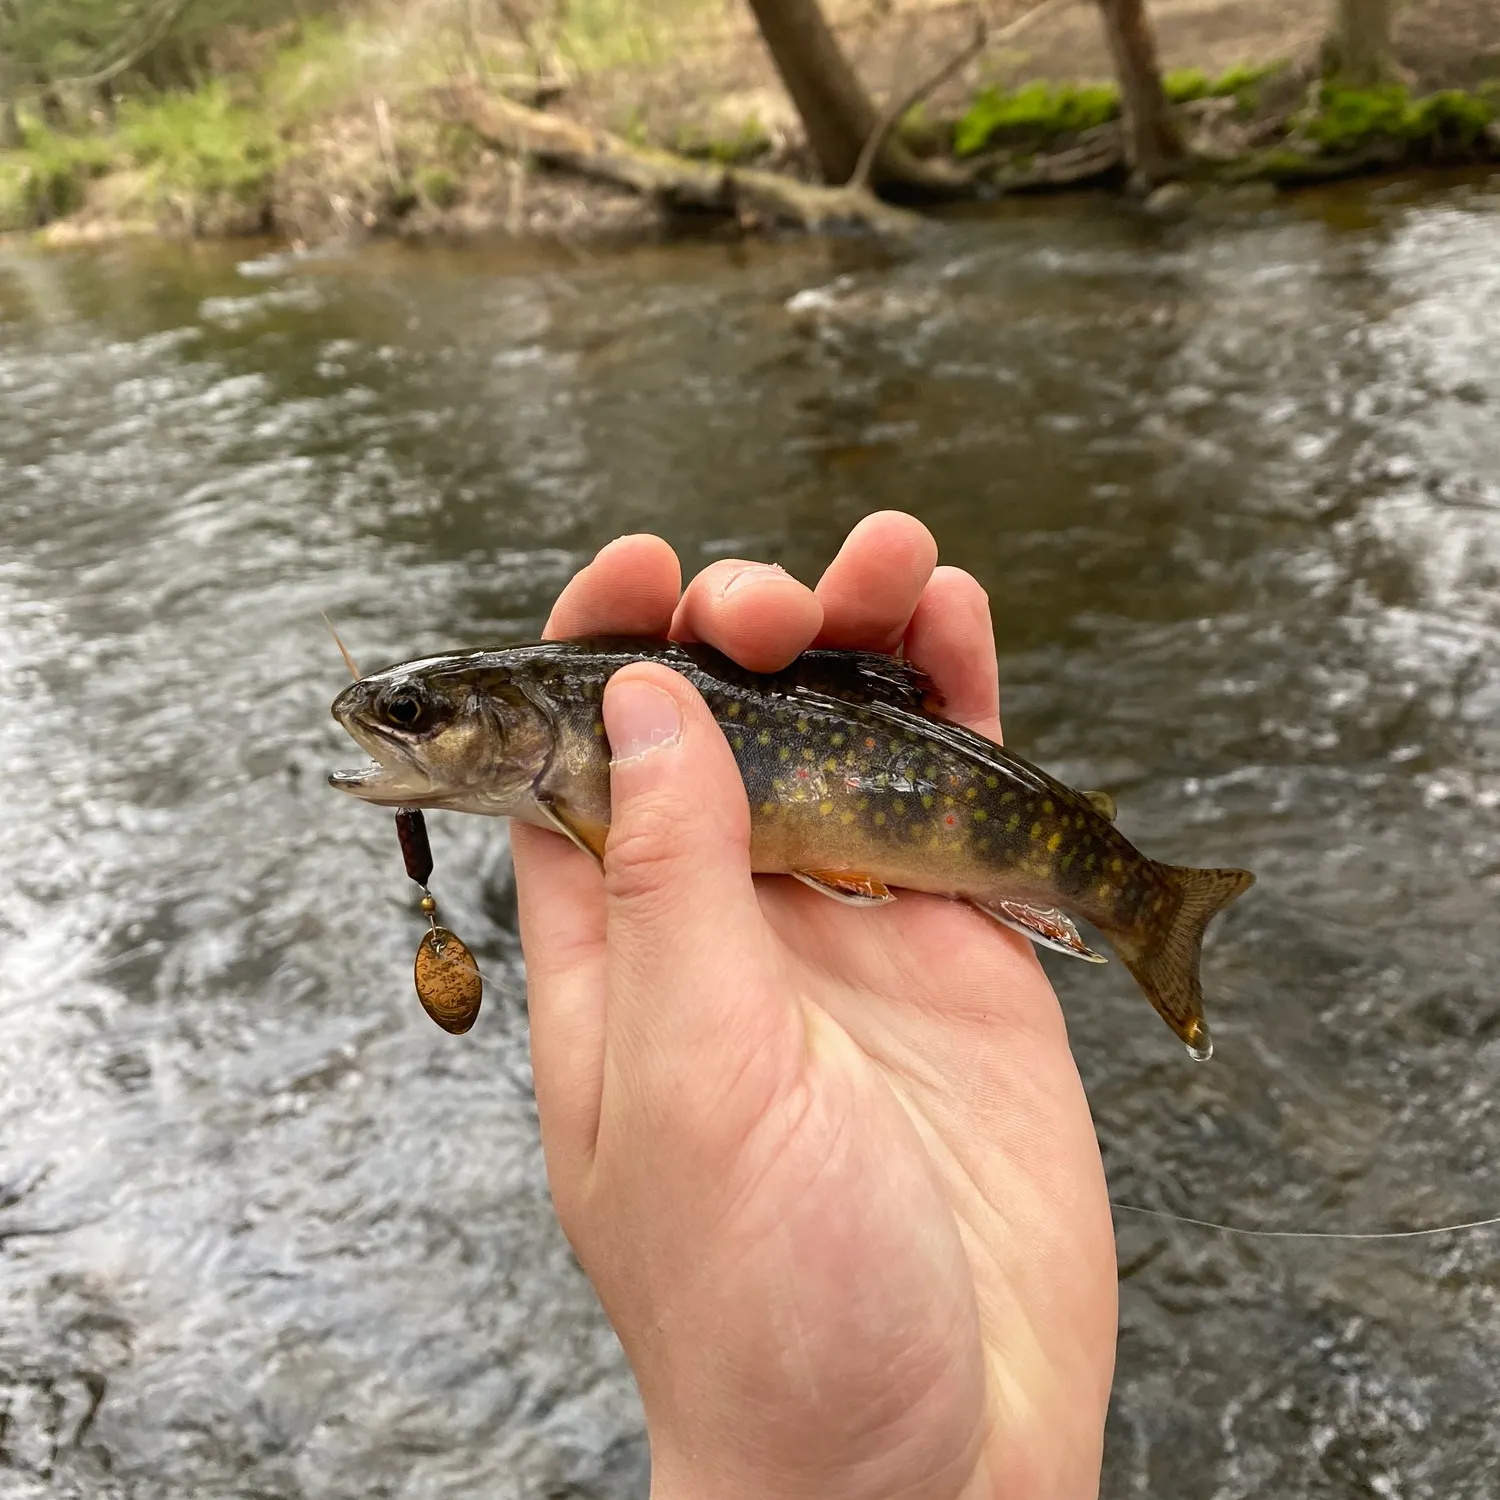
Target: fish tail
1164, 957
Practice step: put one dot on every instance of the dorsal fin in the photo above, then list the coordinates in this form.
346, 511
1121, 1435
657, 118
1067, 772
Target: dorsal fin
864, 677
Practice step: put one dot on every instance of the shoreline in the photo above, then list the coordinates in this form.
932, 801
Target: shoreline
630, 153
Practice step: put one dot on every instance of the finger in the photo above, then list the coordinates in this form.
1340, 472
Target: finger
870, 589
685, 932
560, 901
630, 588
752, 612
952, 639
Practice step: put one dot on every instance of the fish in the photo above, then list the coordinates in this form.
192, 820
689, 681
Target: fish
857, 787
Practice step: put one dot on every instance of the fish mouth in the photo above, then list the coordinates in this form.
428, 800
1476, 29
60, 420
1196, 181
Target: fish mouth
386, 786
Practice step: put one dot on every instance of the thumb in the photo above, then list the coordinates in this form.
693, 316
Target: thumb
686, 940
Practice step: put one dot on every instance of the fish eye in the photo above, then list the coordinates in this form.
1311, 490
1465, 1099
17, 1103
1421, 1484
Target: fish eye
403, 708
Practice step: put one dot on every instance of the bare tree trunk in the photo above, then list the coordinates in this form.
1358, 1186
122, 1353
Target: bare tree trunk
837, 113
11, 137
1359, 50
1153, 146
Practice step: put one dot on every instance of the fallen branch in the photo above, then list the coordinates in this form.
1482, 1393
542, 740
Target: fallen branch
895, 113
672, 180
961, 179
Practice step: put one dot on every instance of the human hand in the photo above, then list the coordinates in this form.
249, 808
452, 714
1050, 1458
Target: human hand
830, 1170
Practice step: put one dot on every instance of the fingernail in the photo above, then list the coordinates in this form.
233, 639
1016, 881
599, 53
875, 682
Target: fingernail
748, 575
639, 718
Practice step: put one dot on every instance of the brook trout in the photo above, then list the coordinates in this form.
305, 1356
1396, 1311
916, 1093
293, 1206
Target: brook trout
855, 785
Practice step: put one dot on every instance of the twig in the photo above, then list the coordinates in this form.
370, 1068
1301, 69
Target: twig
894, 113
387, 144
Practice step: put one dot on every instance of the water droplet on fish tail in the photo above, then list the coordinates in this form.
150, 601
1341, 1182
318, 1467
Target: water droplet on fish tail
1200, 1045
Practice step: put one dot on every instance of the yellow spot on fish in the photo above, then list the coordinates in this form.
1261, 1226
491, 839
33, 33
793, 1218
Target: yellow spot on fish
992, 782
599, 728
764, 737
767, 808
862, 804
733, 710
738, 741
1015, 822
830, 764
926, 799
1117, 865
784, 755
1054, 843
1088, 864
947, 801
801, 726
1036, 830
1047, 805
972, 793
836, 740
880, 820
1104, 892
752, 717
846, 817
933, 842
979, 815
898, 807
825, 808
1080, 821
981, 845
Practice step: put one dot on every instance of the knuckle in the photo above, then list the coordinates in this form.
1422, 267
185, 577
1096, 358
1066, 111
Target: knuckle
644, 852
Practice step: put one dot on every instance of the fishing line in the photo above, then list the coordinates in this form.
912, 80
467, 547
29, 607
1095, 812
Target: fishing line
1306, 1234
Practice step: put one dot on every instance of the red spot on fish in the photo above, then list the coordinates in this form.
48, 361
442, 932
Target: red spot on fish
801, 773
870, 742
950, 820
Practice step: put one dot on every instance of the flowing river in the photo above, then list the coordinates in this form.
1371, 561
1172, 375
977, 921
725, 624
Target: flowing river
1234, 487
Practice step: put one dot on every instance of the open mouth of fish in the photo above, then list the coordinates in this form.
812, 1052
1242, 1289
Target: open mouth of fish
385, 785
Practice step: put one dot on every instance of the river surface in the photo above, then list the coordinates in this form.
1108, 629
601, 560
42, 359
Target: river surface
1234, 487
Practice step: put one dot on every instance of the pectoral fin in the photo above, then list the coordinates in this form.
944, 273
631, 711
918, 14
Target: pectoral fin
586, 834
853, 890
1103, 804
1046, 926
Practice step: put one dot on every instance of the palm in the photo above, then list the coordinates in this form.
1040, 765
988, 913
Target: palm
970, 1119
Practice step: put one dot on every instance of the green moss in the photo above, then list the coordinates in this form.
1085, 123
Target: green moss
1348, 118
1187, 84
1034, 110
439, 187
749, 141
1451, 118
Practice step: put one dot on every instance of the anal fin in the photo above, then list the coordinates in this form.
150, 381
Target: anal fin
1046, 926
842, 885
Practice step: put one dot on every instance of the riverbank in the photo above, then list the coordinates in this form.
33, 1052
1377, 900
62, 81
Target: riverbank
387, 124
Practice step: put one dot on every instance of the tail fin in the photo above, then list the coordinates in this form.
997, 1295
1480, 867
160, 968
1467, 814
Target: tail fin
1163, 956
